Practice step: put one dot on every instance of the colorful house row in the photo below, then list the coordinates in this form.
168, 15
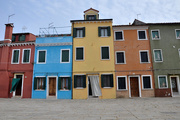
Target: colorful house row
98, 60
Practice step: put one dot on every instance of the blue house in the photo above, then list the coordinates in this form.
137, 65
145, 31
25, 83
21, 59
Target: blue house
52, 75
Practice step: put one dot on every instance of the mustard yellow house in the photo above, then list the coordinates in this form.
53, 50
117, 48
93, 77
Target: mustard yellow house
93, 57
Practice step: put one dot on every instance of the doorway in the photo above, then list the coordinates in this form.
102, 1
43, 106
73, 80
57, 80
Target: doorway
19, 89
134, 87
174, 85
52, 86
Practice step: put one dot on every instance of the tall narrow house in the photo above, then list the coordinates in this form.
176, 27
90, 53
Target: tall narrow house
93, 57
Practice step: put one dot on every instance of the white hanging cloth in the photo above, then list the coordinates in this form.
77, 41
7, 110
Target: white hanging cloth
96, 90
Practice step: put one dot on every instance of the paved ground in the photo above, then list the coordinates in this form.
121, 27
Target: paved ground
91, 109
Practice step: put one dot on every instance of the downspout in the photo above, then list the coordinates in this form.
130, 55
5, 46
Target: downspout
72, 56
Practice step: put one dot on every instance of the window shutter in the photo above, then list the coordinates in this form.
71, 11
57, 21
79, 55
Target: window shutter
84, 81
22, 38
87, 17
35, 83
95, 17
59, 83
44, 80
75, 81
102, 81
99, 31
69, 83
74, 32
109, 30
84, 32
111, 80
13, 38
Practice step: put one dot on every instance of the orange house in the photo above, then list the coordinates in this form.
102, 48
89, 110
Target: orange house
133, 63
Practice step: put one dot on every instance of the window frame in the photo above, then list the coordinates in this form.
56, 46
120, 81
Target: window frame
118, 83
108, 31
74, 81
159, 82
158, 34
110, 80
161, 55
37, 84
68, 83
145, 35
143, 82
101, 52
38, 57
122, 36
13, 56
124, 56
83, 53
176, 33
29, 56
147, 55
79, 28
61, 56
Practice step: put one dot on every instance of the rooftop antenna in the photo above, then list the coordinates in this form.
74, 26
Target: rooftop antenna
138, 15
24, 28
10, 16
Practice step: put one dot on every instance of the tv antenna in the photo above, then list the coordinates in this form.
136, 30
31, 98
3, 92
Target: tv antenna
24, 28
138, 15
10, 16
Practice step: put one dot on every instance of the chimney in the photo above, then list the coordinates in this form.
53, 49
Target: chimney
8, 33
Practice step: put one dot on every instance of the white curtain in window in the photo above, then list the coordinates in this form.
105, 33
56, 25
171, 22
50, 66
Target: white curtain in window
96, 90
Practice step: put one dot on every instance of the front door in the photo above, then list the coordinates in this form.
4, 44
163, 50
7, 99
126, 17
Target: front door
52, 86
19, 87
134, 86
174, 85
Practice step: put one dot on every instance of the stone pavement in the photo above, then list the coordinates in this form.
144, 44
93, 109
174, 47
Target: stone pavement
91, 109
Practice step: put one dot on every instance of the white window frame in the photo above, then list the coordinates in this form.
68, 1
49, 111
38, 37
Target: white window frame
138, 34
83, 53
158, 34
147, 56
101, 52
161, 55
61, 56
118, 82
143, 81
29, 56
13, 56
124, 57
122, 35
38, 57
176, 33
159, 82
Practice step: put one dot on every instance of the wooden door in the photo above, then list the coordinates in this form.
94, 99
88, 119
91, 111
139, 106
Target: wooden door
19, 87
52, 86
174, 84
134, 86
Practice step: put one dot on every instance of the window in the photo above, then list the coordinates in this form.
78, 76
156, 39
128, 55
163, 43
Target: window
42, 56
162, 80
119, 35
65, 56
79, 53
79, 81
144, 57
155, 34
105, 53
104, 31
158, 56
26, 56
39, 83
13, 38
120, 57
22, 37
107, 80
90, 17
142, 35
79, 32
64, 83
177, 34
15, 56
146, 82
121, 83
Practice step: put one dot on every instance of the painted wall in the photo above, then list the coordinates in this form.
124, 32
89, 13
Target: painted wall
52, 67
133, 67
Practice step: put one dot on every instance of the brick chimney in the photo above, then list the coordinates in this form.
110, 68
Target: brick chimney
8, 33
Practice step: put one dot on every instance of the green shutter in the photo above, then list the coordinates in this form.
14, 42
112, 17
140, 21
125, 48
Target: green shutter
75, 81
69, 83
111, 81
84, 81
59, 83
13, 38
87, 17
99, 31
65, 55
74, 32
102, 81
109, 31
35, 83
22, 38
84, 32
95, 17
44, 86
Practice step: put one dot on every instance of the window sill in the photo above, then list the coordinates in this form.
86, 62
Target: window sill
164, 88
41, 63
142, 39
105, 59
107, 87
14, 63
79, 60
144, 62
79, 37
64, 90
122, 90
79, 88
155, 39
147, 89
39, 90
26, 63
104, 36
158, 61
120, 63
64, 62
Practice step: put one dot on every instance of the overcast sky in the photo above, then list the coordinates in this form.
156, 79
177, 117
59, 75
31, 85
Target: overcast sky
35, 14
